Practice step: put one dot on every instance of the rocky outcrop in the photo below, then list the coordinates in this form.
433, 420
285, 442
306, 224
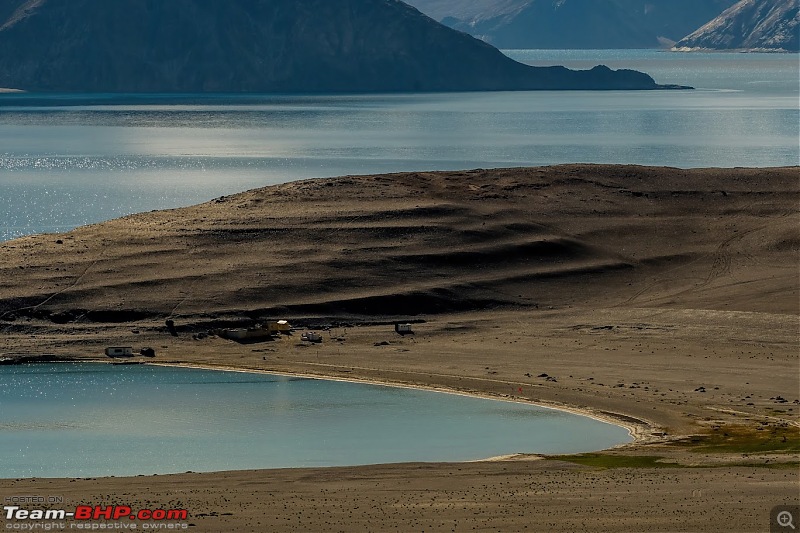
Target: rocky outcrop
309, 46
769, 25
590, 24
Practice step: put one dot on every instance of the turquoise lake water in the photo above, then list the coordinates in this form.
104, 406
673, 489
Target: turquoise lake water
79, 420
71, 160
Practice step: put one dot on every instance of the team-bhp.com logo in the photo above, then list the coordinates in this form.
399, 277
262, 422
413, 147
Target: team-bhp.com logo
87, 517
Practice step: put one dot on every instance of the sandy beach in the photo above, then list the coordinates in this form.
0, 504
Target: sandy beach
666, 300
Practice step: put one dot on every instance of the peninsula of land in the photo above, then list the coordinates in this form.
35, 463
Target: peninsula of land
665, 299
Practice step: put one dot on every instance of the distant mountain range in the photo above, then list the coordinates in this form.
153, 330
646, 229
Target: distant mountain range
587, 24
311, 46
750, 25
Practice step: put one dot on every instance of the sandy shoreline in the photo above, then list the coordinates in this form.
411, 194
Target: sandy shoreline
637, 430
661, 295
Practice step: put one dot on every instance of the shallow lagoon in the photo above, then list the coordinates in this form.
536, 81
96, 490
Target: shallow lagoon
83, 419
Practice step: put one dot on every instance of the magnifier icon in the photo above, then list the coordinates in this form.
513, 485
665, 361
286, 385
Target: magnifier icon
785, 519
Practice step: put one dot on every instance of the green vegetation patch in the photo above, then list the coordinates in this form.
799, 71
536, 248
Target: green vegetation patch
601, 460
746, 439
791, 465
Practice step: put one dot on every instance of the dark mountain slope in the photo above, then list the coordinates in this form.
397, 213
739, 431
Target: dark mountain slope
259, 46
751, 25
575, 23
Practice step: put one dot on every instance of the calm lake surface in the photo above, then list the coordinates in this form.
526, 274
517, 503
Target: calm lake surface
71, 160
78, 420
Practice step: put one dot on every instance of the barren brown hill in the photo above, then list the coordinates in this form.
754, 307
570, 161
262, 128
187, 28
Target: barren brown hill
421, 243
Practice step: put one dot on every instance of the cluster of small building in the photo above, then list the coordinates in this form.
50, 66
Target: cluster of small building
275, 328
127, 351
268, 330
265, 331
